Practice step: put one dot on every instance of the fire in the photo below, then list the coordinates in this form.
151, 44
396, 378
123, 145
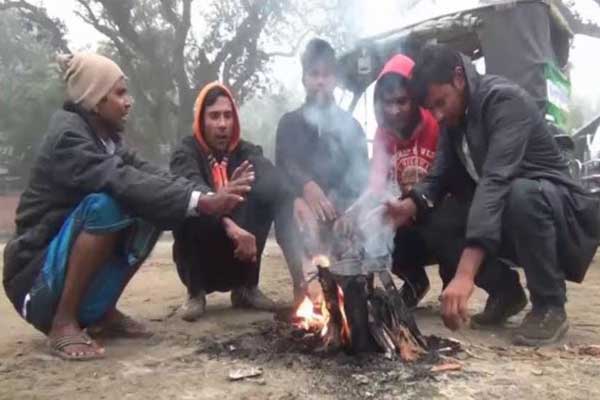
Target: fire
309, 320
345, 326
315, 317
321, 260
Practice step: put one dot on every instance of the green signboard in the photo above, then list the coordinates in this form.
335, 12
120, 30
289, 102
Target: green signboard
559, 95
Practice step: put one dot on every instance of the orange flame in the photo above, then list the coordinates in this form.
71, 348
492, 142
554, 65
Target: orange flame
309, 319
315, 317
321, 260
345, 325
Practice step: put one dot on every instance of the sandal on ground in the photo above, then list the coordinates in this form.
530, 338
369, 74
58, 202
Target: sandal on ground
58, 348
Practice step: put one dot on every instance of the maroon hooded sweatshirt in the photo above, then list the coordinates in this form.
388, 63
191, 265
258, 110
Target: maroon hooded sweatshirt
399, 160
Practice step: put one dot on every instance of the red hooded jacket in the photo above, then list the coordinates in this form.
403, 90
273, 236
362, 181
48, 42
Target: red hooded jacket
397, 160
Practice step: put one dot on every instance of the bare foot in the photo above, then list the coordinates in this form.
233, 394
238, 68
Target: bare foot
117, 324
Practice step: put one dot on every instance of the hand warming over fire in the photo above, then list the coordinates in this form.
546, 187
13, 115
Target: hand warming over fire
399, 212
318, 202
455, 298
244, 242
344, 226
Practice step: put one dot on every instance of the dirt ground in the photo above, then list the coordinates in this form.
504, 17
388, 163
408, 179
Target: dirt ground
171, 365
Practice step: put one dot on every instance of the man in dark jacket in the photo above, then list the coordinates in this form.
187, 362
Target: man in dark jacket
523, 205
91, 213
321, 149
225, 254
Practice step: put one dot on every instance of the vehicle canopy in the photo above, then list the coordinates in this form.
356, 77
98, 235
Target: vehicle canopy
526, 41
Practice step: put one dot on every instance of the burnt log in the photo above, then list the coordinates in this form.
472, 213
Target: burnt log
337, 333
356, 295
391, 324
365, 319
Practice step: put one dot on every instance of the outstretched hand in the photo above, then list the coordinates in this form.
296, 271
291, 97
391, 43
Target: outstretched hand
397, 212
318, 202
230, 196
455, 301
244, 174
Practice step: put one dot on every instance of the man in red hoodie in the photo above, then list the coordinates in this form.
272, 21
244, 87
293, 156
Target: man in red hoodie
403, 152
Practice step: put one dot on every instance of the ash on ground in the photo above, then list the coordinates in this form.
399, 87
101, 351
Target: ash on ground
277, 344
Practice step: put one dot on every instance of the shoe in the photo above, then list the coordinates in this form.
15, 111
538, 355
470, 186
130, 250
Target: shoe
194, 307
251, 298
542, 326
499, 308
413, 292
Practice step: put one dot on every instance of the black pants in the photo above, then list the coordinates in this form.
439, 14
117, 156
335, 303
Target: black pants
204, 254
529, 240
435, 240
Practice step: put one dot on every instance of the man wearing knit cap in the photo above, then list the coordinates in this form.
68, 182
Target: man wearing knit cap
91, 213
225, 254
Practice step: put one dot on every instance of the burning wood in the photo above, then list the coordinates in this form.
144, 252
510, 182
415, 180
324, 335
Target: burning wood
336, 332
348, 312
356, 317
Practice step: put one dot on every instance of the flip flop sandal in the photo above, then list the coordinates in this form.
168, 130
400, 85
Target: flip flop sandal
125, 327
58, 345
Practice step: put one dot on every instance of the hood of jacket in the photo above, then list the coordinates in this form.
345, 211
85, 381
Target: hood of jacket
198, 125
398, 65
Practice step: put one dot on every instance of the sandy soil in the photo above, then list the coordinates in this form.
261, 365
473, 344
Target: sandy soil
170, 365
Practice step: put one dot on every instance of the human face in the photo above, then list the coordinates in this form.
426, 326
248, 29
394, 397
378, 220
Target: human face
446, 101
218, 124
398, 109
113, 110
319, 82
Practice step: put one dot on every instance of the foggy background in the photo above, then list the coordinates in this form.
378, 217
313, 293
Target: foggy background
171, 48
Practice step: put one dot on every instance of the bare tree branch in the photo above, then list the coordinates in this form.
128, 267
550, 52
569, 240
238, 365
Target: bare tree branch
293, 51
39, 16
577, 23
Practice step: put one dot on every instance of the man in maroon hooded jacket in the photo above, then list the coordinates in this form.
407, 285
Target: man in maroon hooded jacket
403, 152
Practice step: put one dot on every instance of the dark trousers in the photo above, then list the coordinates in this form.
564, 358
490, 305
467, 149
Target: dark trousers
529, 240
204, 254
435, 240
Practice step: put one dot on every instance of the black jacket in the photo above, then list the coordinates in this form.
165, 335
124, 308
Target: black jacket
328, 147
508, 138
189, 161
72, 163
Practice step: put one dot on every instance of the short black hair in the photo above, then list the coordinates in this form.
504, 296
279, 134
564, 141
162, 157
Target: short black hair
435, 65
389, 83
318, 50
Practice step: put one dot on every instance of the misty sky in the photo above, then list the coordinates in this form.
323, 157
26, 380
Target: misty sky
375, 19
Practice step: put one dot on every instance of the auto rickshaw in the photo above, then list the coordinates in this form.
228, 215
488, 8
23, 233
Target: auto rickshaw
527, 41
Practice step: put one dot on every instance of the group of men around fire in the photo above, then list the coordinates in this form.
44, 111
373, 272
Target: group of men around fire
481, 189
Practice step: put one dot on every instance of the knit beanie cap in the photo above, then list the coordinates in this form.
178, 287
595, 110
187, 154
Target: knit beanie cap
89, 77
